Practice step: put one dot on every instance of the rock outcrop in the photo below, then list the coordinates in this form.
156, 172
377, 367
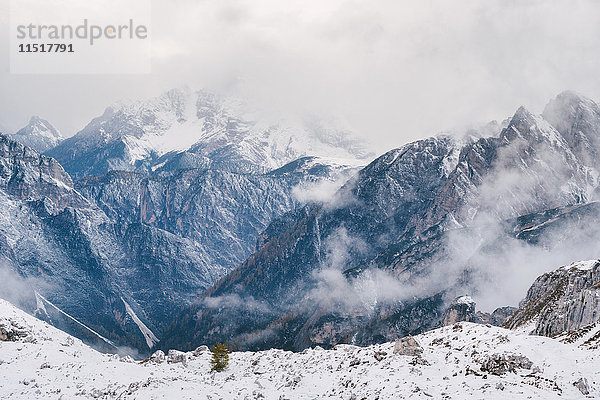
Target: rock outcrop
407, 346
500, 364
463, 308
11, 332
561, 301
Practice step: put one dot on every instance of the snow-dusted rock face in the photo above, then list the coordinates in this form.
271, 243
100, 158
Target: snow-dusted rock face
565, 301
221, 212
186, 129
461, 309
53, 240
39, 134
27, 175
122, 252
460, 361
529, 167
396, 216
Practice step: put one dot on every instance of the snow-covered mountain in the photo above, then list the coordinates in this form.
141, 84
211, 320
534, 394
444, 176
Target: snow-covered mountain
270, 258
121, 253
188, 129
38, 134
422, 222
56, 242
464, 360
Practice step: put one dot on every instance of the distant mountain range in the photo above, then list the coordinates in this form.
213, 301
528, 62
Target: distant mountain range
183, 129
184, 220
122, 251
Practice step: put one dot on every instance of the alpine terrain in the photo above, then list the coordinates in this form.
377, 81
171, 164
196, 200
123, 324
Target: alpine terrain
459, 361
174, 223
410, 232
112, 255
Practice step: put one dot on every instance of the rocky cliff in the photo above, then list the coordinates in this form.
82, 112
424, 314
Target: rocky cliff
463, 309
563, 301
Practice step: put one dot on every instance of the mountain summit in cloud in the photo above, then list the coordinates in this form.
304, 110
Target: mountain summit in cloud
195, 129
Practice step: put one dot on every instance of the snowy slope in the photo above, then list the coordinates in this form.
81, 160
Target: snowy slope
149, 336
46, 363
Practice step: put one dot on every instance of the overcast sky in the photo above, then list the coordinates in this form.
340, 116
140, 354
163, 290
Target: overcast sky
395, 70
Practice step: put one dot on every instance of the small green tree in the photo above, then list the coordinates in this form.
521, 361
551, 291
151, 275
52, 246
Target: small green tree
220, 357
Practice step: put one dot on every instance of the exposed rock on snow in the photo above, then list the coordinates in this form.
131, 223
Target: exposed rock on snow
582, 385
200, 349
407, 346
461, 309
500, 364
10, 332
157, 357
176, 356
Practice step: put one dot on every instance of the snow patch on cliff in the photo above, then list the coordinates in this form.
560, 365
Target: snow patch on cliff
149, 336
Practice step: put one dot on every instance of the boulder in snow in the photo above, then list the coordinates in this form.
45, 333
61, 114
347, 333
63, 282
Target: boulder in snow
176, 356
407, 346
199, 350
500, 364
582, 385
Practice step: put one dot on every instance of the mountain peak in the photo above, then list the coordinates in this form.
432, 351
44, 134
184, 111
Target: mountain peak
566, 108
569, 97
531, 127
566, 102
38, 134
35, 120
577, 118
522, 113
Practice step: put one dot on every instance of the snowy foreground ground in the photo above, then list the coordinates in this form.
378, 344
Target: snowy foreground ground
46, 363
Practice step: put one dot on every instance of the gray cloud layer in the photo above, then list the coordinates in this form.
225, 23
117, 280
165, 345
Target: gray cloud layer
395, 70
